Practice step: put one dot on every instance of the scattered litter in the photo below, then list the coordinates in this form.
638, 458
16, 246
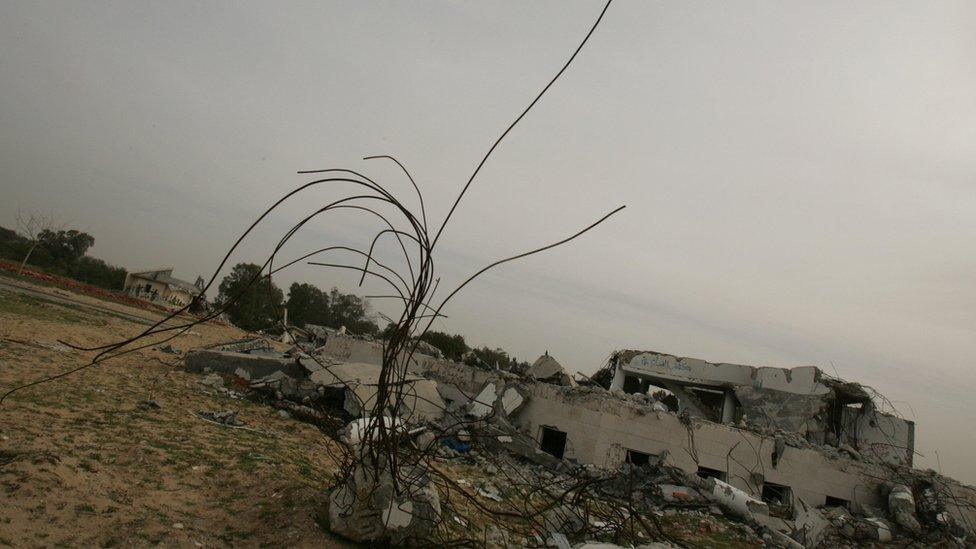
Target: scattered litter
228, 417
489, 491
212, 417
167, 349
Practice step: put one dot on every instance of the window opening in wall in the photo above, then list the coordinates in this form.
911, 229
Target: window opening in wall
635, 385
665, 397
705, 472
711, 401
837, 502
553, 442
638, 458
779, 498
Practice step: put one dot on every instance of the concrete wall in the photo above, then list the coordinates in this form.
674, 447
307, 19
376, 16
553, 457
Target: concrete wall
468, 379
180, 297
348, 349
802, 380
601, 428
421, 401
242, 364
883, 436
138, 282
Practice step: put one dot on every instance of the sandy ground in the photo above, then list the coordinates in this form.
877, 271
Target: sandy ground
83, 464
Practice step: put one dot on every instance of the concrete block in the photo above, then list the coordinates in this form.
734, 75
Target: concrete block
254, 366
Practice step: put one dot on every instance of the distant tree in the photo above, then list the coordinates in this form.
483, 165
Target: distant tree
250, 298
388, 331
31, 226
452, 346
65, 247
96, 272
307, 305
485, 357
63, 253
352, 312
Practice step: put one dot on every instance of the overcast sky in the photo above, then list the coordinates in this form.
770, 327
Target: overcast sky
799, 176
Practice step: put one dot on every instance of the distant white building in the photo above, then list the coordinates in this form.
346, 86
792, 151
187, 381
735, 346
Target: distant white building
159, 285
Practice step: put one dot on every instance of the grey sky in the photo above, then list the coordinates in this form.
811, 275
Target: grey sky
799, 176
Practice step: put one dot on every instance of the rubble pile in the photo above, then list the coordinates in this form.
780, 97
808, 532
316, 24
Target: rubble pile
492, 436
370, 507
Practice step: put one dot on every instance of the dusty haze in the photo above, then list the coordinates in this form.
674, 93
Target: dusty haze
799, 176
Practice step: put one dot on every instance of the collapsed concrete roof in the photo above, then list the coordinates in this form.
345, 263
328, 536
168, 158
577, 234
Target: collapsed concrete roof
421, 399
651, 364
801, 400
304, 377
547, 368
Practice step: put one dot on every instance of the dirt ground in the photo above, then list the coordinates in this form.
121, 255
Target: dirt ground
84, 463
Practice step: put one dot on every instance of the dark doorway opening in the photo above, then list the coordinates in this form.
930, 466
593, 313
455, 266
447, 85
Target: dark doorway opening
635, 385
837, 502
711, 402
705, 472
553, 442
638, 458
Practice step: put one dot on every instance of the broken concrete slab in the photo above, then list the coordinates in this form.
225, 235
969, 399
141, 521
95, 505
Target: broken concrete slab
782, 410
497, 399
881, 529
366, 508
901, 506
564, 519
512, 400
366, 427
453, 397
733, 500
484, 403
548, 369
229, 362
809, 524
283, 386
247, 345
359, 380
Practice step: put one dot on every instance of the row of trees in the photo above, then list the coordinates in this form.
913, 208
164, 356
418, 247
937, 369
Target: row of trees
57, 251
455, 348
63, 252
255, 306
258, 305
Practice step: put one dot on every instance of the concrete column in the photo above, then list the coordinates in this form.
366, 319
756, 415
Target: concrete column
728, 407
618, 379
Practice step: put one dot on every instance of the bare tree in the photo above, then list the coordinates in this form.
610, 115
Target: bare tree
31, 225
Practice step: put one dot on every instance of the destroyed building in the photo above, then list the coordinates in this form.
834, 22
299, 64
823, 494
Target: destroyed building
790, 439
802, 400
159, 285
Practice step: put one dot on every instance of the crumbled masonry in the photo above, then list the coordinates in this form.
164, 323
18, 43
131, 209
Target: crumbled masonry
797, 457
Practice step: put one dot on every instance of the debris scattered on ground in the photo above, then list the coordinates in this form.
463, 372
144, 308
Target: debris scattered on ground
227, 417
480, 423
167, 349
